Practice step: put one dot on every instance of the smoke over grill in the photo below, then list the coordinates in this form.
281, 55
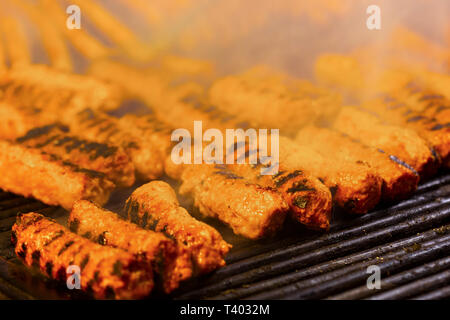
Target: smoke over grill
356, 124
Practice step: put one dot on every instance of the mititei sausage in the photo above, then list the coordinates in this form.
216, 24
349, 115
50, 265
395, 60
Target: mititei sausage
169, 260
105, 272
154, 206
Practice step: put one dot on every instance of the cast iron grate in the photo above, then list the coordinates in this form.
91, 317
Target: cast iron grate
409, 241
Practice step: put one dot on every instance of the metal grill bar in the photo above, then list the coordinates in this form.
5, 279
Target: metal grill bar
361, 239
397, 280
416, 287
409, 240
329, 266
435, 295
323, 286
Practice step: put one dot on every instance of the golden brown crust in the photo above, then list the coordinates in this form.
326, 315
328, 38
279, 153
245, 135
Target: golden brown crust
309, 200
354, 188
273, 100
108, 159
170, 260
106, 272
398, 181
32, 173
96, 126
403, 143
44, 88
154, 206
431, 123
251, 210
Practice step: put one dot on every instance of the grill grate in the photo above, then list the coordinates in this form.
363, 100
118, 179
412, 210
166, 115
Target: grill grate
409, 241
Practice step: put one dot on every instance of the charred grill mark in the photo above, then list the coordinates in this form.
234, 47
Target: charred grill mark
167, 234
415, 118
102, 239
278, 174
403, 163
49, 268
87, 114
23, 251
153, 223
36, 257
144, 219
106, 128
431, 97
58, 235
440, 126
84, 262
133, 211
61, 274
435, 154
87, 235
95, 122
228, 175
300, 202
284, 179
90, 173
74, 225
66, 246
299, 187
37, 132
117, 269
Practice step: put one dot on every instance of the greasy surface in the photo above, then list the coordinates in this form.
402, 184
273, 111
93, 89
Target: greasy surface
417, 100
398, 181
32, 173
155, 206
431, 125
354, 188
105, 272
169, 259
145, 154
101, 157
356, 191
39, 86
309, 200
251, 210
272, 99
405, 144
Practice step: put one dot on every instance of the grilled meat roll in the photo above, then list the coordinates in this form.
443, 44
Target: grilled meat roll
107, 159
354, 188
154, 206
33, 173
309, 200
251, 210
41, 87
273, 100
404, 144
356, 191
105, 272
169, 260
432, 126
144, 151
398, 181
415, 100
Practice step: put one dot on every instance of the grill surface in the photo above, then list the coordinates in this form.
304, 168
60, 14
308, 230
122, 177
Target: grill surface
409, 241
